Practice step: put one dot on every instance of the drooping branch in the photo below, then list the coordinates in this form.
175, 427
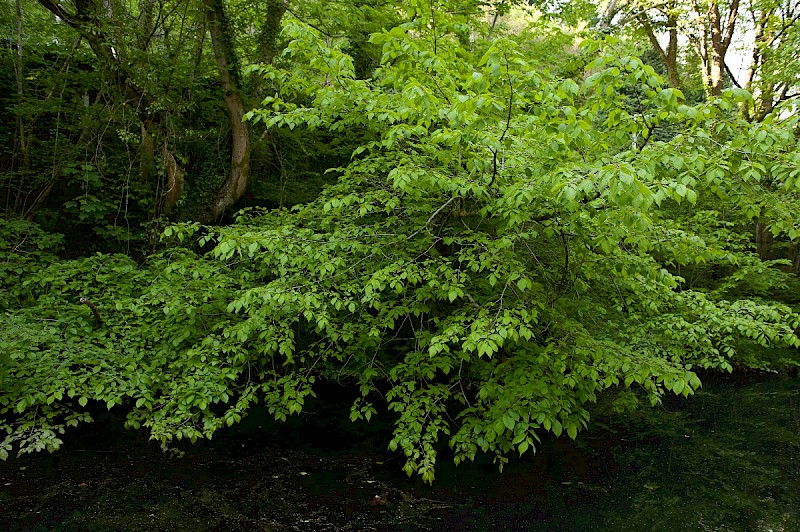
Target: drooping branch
98, 321
731, 76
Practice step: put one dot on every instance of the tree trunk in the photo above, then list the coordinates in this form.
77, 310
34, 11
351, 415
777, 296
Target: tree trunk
716, 53
669, 57
23, 136
170, 182
268, 43
672, 53
228, 66
174, 183
712, 41
763, 241
88, 22
268, 35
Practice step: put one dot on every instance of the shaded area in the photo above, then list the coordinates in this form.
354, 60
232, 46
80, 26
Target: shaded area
726, 459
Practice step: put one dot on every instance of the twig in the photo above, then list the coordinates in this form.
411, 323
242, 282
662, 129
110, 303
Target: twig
432, 216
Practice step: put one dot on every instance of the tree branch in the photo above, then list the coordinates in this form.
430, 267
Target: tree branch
61, 13
433, 216
730, 24
730, 75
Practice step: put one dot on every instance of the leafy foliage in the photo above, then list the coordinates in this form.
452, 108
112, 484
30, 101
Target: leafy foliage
505, 247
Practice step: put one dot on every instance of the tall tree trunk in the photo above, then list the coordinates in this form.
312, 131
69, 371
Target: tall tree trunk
268, 34
170, 181
229, 75
672, 52
268, 43
713, 40
23, 136
716, 53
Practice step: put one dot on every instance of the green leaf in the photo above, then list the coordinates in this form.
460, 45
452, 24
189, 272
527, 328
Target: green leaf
522, 447
572, 431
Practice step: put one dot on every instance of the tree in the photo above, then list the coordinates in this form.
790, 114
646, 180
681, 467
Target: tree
129, 40
712, 34
503, 248
120, 55
772, 75
37, 111
668, 54
512, 211
712, 27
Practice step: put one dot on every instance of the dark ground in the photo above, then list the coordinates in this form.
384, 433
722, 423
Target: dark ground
728, 459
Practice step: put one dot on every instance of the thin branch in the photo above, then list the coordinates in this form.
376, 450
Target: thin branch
730, 75
307, 23
432, 216
508, 121
61, 13
786, 26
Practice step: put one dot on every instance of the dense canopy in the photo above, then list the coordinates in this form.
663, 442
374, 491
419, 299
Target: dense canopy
481, 217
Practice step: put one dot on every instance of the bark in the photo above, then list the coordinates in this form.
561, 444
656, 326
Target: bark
669, 57
170, 182
174, 185
713, 40
268, 35
608, 15
23, 135
228, 66
268, 43
716, 53
763, 240
766, 102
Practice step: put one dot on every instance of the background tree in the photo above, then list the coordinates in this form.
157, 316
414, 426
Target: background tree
756, 29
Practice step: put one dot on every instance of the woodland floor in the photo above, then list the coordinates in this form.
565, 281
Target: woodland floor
251, 478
